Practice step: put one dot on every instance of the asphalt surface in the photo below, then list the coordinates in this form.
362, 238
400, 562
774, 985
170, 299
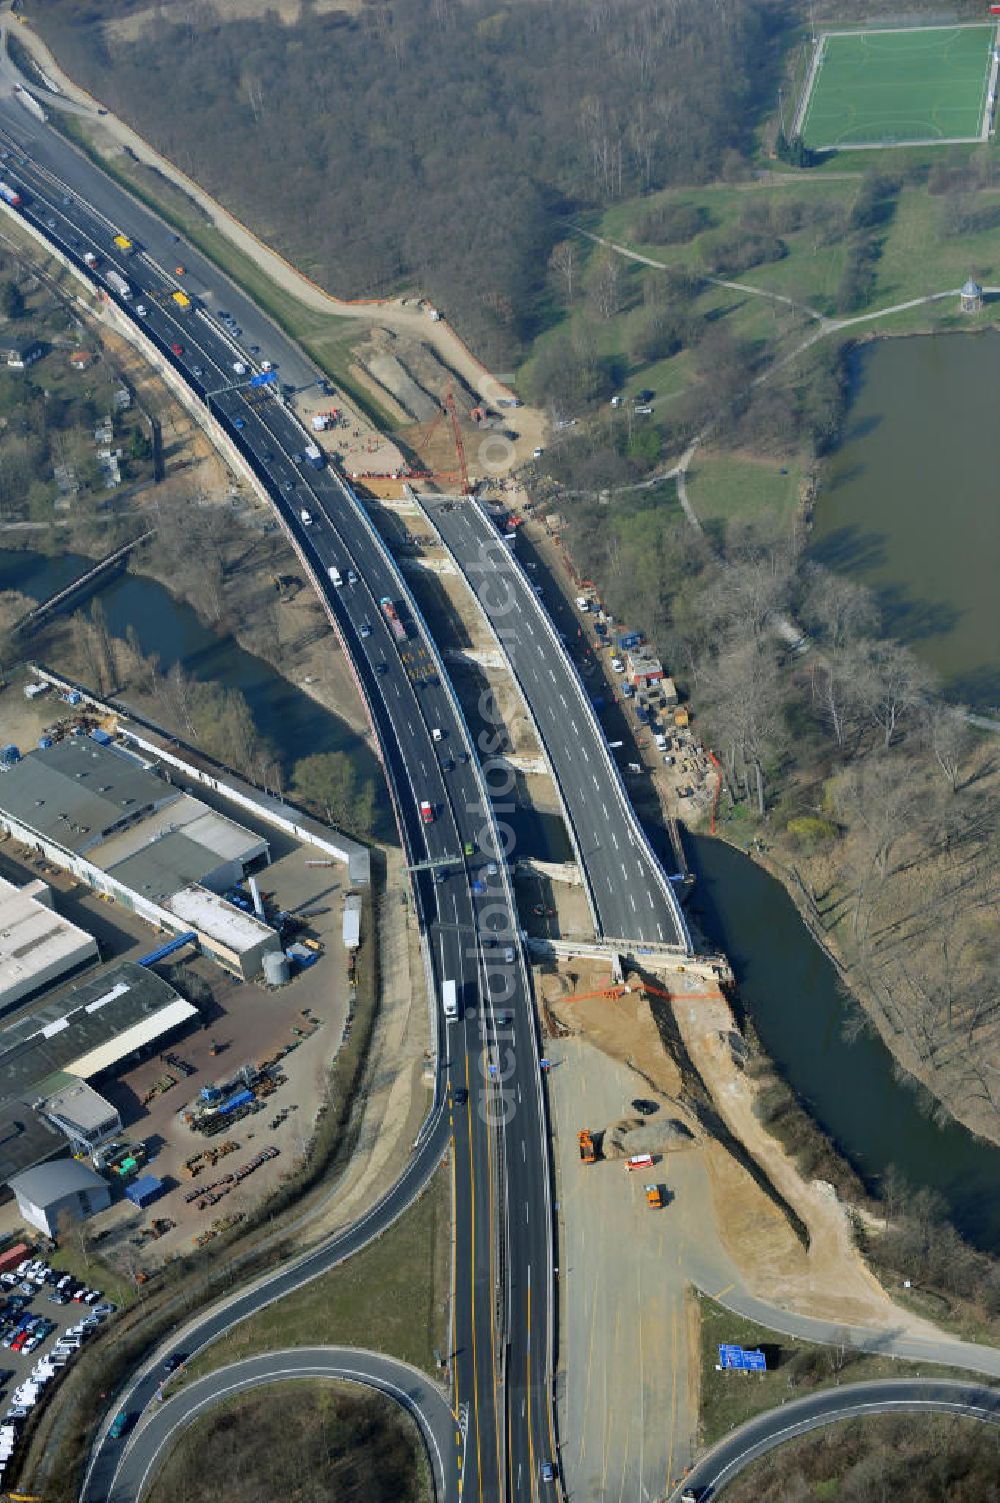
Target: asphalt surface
502, 1311
149, 1443
851, 1401
631, 896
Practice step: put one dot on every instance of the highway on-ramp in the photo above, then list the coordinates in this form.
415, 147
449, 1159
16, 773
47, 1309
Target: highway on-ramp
405, 1385
502, 1315
709, 1477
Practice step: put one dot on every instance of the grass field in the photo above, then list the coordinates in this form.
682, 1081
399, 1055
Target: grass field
876, 87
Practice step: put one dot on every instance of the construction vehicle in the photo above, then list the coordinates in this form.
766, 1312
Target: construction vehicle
124, 244
639, 1161
655, 1197
588, 1151
182, 300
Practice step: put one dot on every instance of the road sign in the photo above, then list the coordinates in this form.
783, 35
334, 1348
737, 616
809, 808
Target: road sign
738, 1360
264, 379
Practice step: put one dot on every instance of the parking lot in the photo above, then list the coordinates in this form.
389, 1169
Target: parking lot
45, 1318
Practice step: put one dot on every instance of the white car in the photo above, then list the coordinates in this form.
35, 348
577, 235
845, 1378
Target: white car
239, 367
437, 734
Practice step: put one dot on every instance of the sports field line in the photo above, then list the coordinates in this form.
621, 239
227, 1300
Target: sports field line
889, 31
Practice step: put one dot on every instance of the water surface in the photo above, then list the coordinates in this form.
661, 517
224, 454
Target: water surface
910, 503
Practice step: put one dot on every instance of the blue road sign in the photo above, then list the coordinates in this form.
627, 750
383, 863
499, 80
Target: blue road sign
735, 1358
264, 379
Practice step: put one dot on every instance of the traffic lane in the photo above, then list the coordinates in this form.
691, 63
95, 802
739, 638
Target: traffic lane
405, 1385
730, 1456
626, 886
85, 181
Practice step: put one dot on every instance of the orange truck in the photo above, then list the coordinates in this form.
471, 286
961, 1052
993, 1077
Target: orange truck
588, 1153
655, 1197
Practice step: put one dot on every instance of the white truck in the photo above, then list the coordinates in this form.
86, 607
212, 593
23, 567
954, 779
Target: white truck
314, 454
449, 1001
336, 577
118, 284
305, 517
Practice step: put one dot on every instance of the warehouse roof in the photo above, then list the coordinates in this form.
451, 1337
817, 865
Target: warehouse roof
75, 792
25, 1137
104, 1014
213, 917
35, 941
167, 863
80, 1105
47, 1183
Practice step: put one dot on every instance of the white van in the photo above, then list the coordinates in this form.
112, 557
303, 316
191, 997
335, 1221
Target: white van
449, 1001
336, 577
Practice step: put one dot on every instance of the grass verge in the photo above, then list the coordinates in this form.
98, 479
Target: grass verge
298, 1441
726, 487
396, 1287
794, 1368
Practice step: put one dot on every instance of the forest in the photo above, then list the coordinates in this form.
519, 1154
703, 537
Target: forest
428, 143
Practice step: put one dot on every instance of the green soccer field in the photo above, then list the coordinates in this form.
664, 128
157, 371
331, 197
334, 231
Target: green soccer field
875, 88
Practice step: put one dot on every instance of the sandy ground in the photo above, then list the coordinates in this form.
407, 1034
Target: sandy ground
630, 1333
628, 1366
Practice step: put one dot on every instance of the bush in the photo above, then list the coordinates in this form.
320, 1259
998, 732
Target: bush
812, 831
738, 249
671, 224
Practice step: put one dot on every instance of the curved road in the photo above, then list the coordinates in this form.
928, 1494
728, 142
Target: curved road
726, 1460
407, 1386
502, 1318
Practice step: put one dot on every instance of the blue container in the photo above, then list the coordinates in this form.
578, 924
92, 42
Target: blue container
44, 742
9, 755
629, 639
101, 737
146, 1189
242, 1098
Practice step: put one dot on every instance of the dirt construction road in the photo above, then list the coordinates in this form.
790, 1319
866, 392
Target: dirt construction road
627, 1387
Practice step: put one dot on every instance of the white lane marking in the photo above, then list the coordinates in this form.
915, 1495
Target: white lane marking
631, 898
614, 840
564, 704
605, 808
586, 753
624, 872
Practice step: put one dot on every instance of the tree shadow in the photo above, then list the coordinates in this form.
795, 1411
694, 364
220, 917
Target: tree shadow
914, 620
846, 476
862, 427
848, 549
977, 687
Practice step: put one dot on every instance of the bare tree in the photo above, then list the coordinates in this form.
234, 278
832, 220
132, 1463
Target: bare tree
563, 261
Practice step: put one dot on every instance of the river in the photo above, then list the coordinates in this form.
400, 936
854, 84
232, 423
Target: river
909, 502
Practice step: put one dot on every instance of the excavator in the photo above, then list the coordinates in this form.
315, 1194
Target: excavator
588, 1148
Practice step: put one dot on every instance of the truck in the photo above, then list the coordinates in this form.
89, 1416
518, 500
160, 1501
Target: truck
182, 300
10, 195
118, 284
639, 1161
305, 517
124, 244
89, 259
588, 1151
314, 454
655, 1197
392, 616
449, 1001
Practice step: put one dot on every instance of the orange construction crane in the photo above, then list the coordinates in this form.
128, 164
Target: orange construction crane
612, 993
449, 402
588, 1152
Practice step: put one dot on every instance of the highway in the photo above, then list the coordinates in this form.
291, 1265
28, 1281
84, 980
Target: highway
631, 897
709, 1477
502, 1314
408, 1387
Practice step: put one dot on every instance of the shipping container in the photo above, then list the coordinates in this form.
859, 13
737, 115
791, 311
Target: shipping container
242, 1098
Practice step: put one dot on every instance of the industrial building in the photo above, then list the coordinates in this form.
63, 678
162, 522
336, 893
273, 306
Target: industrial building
37, 946
51, 1193
49, 1055
111, 819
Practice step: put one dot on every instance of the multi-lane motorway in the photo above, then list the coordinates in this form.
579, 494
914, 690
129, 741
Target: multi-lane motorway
502, 1316
631, 896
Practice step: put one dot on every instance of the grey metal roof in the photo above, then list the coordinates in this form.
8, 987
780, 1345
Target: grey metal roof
166, 865
76, 791
41, 1042
48, 1183
25, 1137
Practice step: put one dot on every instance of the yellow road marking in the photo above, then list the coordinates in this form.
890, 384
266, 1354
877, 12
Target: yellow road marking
472, 1296
493, 1333
673, 1397
723, 1291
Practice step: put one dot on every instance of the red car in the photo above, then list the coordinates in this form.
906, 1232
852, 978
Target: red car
426, 812
178, 349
